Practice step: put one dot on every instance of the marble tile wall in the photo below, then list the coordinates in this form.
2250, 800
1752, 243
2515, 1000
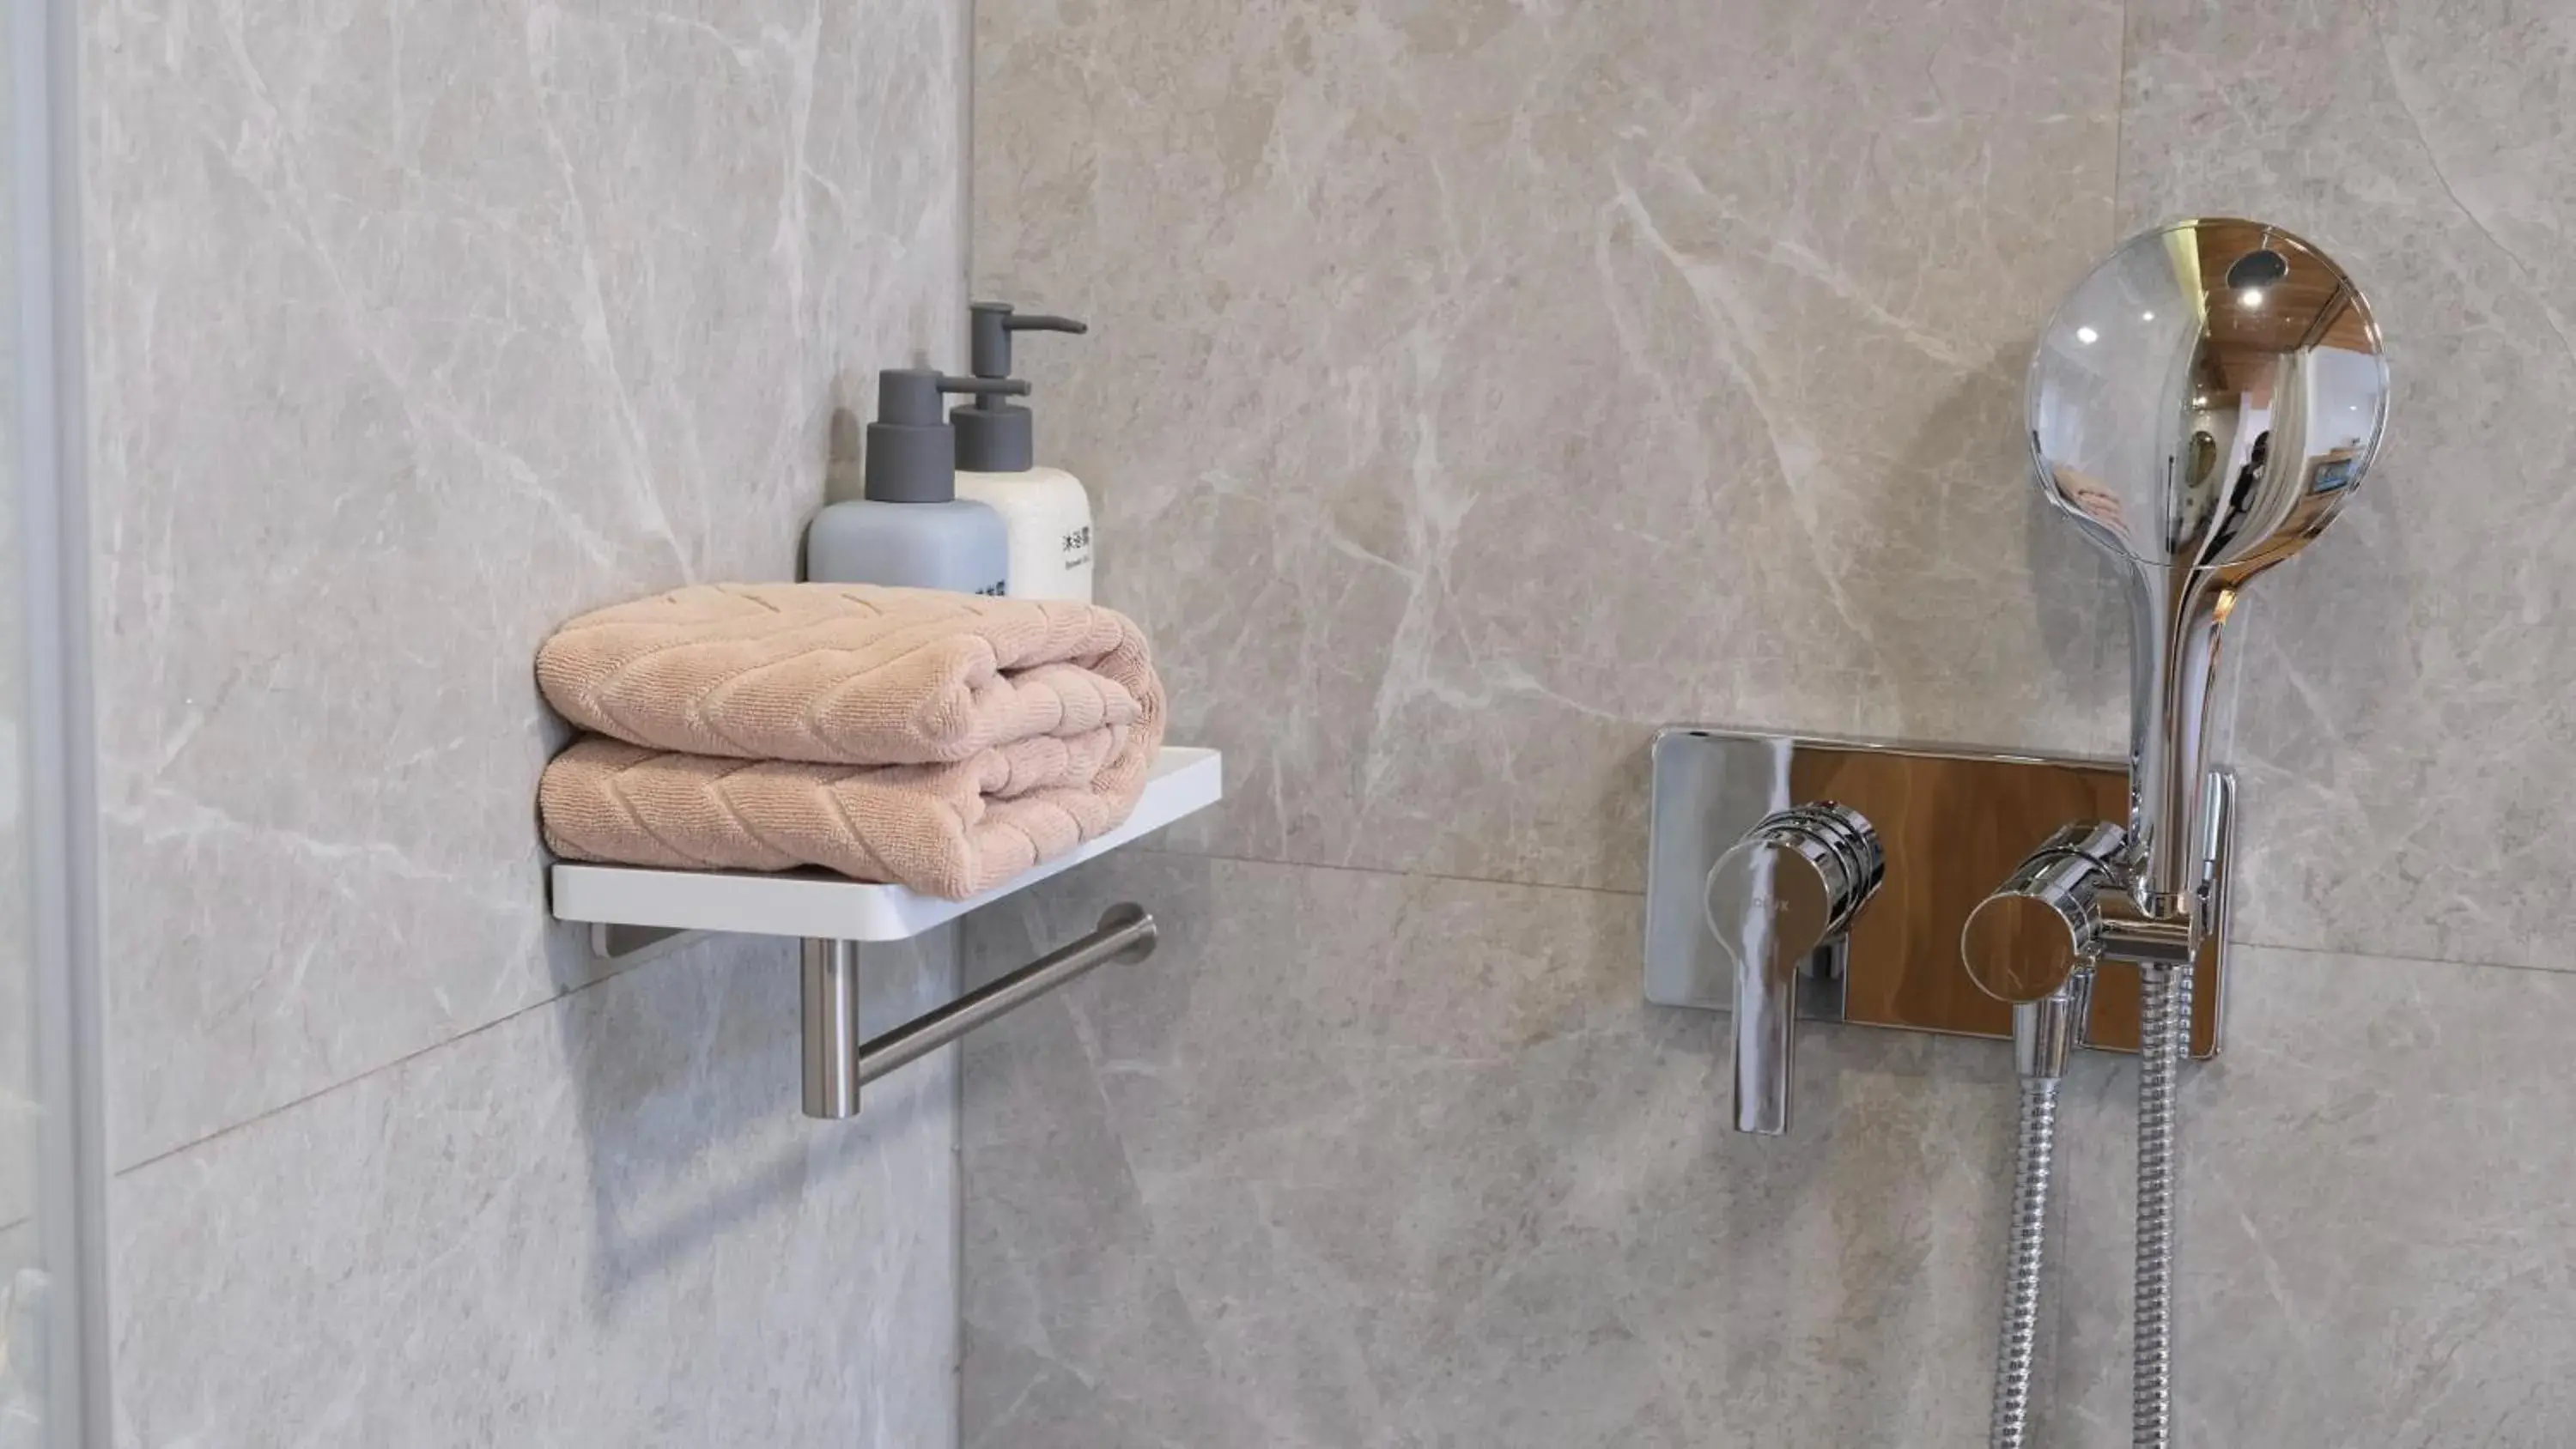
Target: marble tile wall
415, 329
601, 1221
2407, 726
1475, 387
1375, 1159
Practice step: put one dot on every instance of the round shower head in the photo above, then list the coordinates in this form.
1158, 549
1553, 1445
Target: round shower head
2208, 396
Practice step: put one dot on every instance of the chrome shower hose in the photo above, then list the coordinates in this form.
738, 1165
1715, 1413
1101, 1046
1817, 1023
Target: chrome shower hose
2164, 1038
2034, 1157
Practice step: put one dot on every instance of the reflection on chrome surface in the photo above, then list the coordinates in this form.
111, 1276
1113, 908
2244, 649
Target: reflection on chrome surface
2202, 404
2206, 398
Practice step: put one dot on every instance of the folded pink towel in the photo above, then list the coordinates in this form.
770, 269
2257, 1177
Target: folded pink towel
941, 741
947, 830
848, 674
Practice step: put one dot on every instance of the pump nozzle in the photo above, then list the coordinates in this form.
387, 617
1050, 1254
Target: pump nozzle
909, 396
990, 325
912, 454
995, 437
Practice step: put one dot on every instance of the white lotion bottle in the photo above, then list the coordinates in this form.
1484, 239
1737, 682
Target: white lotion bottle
1045, 511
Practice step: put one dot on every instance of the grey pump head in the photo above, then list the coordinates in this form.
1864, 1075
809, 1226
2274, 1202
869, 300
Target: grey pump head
994, 436
912, 452
2202, 405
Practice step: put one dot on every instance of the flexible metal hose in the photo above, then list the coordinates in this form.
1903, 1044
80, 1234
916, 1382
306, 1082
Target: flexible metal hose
2033, 1158
2164, 1037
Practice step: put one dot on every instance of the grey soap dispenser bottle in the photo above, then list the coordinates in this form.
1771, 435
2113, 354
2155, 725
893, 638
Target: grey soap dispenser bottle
911, 529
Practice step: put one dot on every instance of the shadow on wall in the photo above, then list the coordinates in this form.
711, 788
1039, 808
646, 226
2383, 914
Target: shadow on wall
1940, 589
2082, 616
689, 1116
2341, 611
650, 1132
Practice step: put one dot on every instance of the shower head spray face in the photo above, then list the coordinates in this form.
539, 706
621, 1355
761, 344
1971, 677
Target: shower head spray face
2202, 405
2230, 329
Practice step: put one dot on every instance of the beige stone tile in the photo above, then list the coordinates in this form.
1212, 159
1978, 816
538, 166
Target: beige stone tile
1476, 387
2377, 1239
1366, 1160
415, 330
2401, 731
600, 1222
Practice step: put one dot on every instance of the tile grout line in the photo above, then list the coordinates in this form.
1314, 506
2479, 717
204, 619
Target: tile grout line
617, 975
1483, 880
1535, 885
566, 995
2119, 123
380, 1068
2404, 960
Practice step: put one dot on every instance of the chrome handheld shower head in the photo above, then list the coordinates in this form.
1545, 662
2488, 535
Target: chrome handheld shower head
2229, 328
2201, 405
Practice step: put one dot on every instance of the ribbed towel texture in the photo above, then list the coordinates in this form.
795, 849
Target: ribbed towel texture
940, 741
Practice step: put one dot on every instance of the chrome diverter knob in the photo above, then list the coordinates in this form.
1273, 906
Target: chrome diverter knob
2028, 939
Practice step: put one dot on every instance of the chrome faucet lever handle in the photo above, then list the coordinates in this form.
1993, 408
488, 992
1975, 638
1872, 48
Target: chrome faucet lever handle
1789, 888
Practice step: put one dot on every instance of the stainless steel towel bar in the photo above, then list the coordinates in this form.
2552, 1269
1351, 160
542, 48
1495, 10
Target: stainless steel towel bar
838, 1063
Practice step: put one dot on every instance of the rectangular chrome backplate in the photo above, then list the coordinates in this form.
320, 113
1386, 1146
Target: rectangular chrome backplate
1953, 823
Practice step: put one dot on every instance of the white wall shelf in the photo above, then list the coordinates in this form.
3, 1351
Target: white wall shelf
817, 903
834, 915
